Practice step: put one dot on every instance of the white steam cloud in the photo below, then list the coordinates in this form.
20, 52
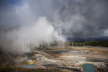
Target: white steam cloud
25, 38
30, 32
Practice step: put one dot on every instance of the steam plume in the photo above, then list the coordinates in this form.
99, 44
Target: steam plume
21, 30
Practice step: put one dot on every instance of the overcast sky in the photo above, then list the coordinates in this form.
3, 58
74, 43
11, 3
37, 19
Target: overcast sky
73, 18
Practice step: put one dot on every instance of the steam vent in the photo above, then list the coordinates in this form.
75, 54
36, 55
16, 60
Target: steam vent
53, 36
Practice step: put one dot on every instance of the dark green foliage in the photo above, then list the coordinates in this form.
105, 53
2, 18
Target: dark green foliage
90, 43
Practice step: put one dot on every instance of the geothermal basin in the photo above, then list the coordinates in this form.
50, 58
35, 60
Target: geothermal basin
70, 58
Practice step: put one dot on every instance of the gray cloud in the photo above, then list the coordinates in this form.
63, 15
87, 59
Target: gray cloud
83, 18
74, 18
